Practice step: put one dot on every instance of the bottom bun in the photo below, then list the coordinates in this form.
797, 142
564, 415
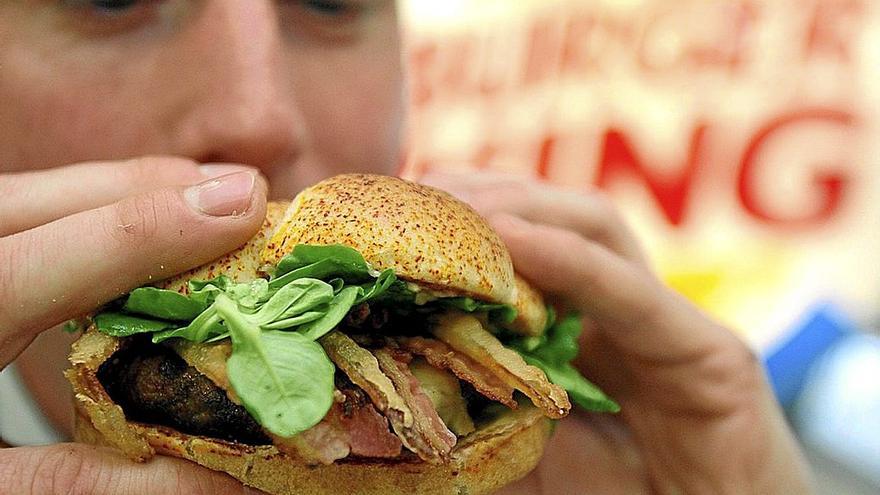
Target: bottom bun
499, 452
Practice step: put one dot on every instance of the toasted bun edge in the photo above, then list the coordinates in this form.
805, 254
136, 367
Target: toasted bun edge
500, 452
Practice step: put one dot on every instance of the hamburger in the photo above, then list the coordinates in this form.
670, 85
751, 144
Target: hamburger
373, 337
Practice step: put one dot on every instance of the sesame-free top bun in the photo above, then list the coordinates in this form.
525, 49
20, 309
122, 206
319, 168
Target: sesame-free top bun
425, 235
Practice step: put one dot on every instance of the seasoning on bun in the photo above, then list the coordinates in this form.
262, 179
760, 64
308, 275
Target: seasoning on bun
372, 337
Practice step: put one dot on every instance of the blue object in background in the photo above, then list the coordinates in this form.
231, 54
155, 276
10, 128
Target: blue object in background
838, 411
789, 363
826, 374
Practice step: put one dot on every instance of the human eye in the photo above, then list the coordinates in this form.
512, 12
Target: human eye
107, 7
327, 20
111, 6
337, 9
110, 16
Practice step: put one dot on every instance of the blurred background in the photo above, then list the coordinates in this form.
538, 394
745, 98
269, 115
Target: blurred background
740, 137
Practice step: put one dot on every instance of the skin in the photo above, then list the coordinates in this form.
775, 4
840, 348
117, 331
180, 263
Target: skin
105, 122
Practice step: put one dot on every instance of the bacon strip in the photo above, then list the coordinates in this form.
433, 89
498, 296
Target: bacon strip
350, 427
362, 368
442, 356
466, 334
428, 424
369, 435
323, 443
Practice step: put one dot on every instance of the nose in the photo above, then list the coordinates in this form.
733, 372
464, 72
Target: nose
235, 102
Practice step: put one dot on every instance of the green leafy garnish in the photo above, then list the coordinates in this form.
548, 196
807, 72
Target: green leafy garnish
278, 370
293, 299
345, 261
284, 379
123, 325
340, 307
281, 374
164, 304
204, 291
204, 327
553, 353
322, 262
72, 326
500, 313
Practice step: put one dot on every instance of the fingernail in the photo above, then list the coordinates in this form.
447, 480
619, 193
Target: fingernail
211, 170
222, 196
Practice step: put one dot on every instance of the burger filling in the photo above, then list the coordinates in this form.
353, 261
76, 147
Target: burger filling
326, 358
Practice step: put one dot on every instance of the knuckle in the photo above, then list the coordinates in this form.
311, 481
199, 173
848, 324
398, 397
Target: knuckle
13, 271
507, 189
573, 240
738, 366
607, 215
605, 205
138, 219
590, 272
497, 194
142, 171
648, 312
730, 375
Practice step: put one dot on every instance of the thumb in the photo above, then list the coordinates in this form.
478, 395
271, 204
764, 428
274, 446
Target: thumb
69, 266
82, 469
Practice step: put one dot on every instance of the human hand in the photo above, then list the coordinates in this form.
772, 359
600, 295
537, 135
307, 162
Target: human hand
74, 469
75, 237
697, 414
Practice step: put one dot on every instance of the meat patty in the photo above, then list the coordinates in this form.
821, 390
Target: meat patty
154, 385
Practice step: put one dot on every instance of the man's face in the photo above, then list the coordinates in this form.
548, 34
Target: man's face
302, 89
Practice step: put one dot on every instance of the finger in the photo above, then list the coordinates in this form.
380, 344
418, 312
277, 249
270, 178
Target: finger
30, 199
630, 307
72, 265
581, 440
63, 469
590, 214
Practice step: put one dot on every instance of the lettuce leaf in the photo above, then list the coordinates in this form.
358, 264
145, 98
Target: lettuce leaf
123, 325
498, 313
293, 299
163, 304
322, 262
581, 391
284, 379
282, 376
340, 307
553, 352
204, 327
204, 291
